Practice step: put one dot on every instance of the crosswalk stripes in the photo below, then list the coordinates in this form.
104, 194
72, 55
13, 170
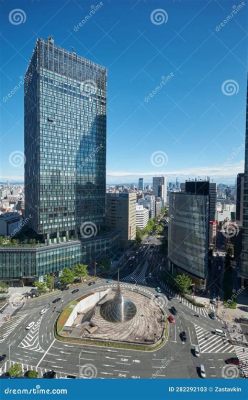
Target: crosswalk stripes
210, 343
242, 354
199, 310
10, 326
31, 340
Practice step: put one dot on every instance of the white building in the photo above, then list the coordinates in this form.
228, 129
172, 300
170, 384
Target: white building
142, 216
149, 202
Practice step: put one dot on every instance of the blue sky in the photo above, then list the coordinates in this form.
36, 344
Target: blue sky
176, 81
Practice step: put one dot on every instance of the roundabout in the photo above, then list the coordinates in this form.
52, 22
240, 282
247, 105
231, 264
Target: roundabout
113, 316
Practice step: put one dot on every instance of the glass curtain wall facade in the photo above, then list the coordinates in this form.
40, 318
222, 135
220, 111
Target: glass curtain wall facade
188, 233
244, 260
65, 141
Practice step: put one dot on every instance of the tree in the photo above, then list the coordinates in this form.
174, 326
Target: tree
67, 276
15, 370
183, 282
41, 286
3, 287
32, 374
81, 271
50, 282
139, 235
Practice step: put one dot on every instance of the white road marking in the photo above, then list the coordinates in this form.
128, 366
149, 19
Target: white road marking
45, 353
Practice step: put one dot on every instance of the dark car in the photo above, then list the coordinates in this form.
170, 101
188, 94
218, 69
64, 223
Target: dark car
212, 315
91, 283
2, 357
233, 360
183, 336
173, 310
70, 377
56, 300
49, 374
75, 291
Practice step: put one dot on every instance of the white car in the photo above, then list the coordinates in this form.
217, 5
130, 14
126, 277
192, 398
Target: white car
158, 289
30, 325
43, 311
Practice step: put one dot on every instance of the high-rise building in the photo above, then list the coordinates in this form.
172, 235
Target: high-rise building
240, 198
206, 188
141, 184
65, 141
121, 215
188, 235
148, 202
142, 216
244, 259
159, 185
65, 169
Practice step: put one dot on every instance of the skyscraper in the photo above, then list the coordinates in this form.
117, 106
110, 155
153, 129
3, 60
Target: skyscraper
141, 184
240, 198
244, 258
208, 189
159, 185
65, 141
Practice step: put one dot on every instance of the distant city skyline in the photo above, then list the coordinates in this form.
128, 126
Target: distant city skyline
176, 99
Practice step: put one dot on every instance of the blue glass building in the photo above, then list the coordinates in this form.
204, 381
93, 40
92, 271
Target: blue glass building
65, 142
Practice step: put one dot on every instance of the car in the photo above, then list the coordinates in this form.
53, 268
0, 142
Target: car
202, 371
212, 315
213, 300
2, 357
91, 283
43, 311
197, 351
173, 310
171, 319
219, 332
158, 289
56, 300
233, 360
70, 377
183, 336
49, 374
75, 291
30, 325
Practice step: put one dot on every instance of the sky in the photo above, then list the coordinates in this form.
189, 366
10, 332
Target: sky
176, 92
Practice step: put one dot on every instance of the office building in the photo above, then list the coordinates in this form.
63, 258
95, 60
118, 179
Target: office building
206, 188
142, 216
159, 185
240, 198
141, 184
121, 215
9, 223
158, 207
244, 259
65, 141
65, 168
188, 235
148, 201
